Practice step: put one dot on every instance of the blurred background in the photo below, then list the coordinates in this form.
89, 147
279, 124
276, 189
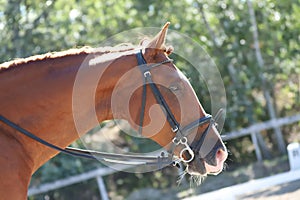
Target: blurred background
255, 45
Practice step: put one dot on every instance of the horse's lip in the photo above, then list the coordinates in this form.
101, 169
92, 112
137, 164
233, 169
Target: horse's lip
215, 173
201, 167
207, 172
194, 173
214, 170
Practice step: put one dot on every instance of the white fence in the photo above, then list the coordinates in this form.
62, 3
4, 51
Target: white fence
262, 126
256, 128
99, 173
232, 192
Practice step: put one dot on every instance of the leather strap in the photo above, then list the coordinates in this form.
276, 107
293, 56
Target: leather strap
127, 159
147, 80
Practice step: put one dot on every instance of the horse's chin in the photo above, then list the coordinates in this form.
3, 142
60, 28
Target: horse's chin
198, 167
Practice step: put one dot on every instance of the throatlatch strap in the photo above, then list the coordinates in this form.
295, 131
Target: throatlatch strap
142, 63
147, 79
142, 113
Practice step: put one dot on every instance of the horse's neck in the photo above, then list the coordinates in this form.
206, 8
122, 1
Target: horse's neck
38, 97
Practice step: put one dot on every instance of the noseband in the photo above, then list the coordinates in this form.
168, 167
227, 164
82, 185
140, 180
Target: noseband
180, 133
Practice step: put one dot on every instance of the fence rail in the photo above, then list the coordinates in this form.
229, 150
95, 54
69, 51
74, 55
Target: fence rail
262, 126
70, 181
254, 129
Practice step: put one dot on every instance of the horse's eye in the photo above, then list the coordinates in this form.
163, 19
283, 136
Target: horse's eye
216, 125
174, 88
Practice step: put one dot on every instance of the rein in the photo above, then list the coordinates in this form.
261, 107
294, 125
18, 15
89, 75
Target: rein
96, 155
180, 133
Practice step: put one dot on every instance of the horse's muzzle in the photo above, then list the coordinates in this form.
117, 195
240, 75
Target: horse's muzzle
212, 163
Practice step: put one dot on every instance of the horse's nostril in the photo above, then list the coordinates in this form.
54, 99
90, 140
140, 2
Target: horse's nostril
221, 155
218, 153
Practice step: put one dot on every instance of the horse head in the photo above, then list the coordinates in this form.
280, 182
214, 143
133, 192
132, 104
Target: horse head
165, 108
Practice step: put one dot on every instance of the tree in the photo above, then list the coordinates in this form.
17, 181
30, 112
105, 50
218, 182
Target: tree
253, 69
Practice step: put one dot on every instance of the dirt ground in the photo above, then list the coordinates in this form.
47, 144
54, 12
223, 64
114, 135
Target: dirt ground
287, 191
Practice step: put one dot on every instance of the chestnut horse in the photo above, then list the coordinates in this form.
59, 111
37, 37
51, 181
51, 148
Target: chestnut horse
37, 95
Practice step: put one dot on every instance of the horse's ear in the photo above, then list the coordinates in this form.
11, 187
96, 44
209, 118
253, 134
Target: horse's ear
159, 40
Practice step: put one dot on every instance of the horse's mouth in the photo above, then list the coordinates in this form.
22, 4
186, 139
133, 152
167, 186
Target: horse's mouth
212, 164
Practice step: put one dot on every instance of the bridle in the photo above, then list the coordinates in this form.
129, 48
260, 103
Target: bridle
180, 133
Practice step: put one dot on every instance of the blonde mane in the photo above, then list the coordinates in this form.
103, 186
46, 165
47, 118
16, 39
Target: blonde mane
71, 52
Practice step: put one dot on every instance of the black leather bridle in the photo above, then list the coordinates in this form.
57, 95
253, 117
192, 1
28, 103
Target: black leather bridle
187, 154
181, 133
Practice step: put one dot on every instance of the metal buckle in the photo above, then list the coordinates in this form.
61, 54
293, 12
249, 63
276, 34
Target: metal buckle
147, 74
174, 129
187, 149
176, 163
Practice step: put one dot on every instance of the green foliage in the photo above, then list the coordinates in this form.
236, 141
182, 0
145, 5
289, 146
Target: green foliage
222, 27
